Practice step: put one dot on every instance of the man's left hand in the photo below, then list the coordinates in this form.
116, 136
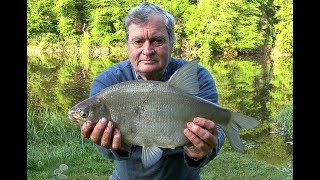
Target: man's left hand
203, 134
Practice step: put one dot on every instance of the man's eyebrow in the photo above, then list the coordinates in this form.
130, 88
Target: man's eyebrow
136, 38
158, 37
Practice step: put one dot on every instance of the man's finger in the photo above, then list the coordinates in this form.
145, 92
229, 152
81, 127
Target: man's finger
116, 142
201, 138
197, 142
86, 129
106, 139
98, 131
207, 124
207, 132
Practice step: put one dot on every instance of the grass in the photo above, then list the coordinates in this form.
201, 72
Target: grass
85, 163
53, 143
232, 165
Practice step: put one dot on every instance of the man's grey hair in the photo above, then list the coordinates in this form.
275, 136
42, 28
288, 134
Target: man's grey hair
142, 13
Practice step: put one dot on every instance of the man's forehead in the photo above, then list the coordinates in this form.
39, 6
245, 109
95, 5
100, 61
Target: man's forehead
150, 31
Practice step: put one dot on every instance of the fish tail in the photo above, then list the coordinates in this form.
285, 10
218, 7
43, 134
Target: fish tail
239, 121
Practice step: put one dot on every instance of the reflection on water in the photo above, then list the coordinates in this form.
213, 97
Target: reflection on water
256, 89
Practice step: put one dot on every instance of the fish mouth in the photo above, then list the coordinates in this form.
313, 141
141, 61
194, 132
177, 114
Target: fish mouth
71, 116
75, 117
80, 121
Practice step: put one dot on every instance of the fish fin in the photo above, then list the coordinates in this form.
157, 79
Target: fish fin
150, 155
186, 78
232, 133
239, 121
244, 121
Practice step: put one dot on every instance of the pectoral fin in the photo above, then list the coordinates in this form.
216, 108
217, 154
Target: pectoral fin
150, 155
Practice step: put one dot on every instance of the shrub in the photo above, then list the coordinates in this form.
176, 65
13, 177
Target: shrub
284, 121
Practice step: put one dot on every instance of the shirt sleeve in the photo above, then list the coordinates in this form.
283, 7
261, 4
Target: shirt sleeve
103, 80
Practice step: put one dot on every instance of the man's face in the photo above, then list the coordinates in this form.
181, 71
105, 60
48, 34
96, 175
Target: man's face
148, 48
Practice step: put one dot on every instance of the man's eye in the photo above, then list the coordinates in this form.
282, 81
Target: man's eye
158, 42
138, 43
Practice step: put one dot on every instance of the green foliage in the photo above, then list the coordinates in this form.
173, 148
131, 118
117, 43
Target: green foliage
284, 27
198, 28
236, 79
40, 18
85, 45
66, 12
99, 65
49, 38
247, 35
72, 82
203, 28
65, 26
284, 40
282, 85
40, 85
217, 25
65, 8
106, 21
285, 121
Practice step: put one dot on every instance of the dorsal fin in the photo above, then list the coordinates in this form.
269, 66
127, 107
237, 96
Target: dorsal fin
186, 78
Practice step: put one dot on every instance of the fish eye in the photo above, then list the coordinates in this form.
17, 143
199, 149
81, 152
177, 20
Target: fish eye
83, 114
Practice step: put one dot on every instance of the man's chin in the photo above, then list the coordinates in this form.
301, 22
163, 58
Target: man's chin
148, 66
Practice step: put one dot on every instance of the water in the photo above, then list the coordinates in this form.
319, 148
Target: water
254, 88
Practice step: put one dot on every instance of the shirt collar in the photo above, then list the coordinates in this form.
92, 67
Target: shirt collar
138, 77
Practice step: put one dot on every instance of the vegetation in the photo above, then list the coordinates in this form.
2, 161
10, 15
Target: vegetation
56, 151
203, 28
285, 121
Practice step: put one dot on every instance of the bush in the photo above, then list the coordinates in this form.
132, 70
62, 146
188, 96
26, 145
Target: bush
284, 121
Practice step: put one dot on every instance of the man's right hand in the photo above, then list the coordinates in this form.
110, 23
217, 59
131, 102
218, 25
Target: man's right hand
103, 133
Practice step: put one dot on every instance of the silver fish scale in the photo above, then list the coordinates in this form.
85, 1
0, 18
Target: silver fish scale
151, 112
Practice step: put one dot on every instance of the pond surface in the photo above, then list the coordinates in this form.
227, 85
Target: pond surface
253, 88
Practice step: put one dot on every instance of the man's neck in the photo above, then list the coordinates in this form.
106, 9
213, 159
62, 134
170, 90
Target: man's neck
153, 76
150, 76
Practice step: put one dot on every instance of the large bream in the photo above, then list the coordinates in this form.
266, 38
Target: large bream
153, 114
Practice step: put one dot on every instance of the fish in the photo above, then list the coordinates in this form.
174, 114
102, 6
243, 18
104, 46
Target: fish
153, 114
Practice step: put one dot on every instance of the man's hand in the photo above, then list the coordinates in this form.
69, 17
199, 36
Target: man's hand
103, 133
203, 134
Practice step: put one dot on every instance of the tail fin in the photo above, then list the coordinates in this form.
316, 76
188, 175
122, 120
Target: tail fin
239, 121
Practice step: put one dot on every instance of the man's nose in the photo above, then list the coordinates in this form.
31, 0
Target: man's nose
148, 48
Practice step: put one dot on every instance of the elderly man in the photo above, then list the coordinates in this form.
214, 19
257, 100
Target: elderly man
150, 38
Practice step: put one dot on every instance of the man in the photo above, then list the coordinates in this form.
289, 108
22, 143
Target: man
150, 38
